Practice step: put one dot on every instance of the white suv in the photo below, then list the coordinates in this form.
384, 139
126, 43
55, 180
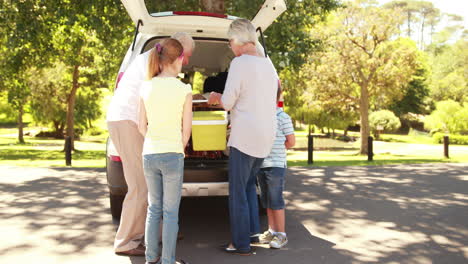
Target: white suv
206, 173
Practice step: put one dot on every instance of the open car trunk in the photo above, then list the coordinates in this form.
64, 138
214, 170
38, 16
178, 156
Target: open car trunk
196, 23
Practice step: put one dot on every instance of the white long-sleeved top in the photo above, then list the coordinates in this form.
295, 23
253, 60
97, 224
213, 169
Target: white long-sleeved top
250, 95
124, 104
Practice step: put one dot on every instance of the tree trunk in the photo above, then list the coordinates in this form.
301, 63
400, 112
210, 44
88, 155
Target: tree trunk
71, 106
58, 126
422, 31
364, 112
214, 6
20, 124
346, 131
409, 24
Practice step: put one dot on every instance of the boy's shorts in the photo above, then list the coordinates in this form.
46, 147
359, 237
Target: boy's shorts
271, 181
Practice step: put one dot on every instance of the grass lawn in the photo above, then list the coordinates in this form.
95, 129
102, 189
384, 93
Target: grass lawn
414, 139
49, 152
402, 149
327, 152
350, 158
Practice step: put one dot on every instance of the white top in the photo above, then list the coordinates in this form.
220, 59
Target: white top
250, 95
124, 103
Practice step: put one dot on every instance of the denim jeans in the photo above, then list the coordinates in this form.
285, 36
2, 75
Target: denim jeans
243, 204
164, 176
271, 182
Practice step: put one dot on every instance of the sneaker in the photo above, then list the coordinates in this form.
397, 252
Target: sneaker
266, 237
278, 241
254, 239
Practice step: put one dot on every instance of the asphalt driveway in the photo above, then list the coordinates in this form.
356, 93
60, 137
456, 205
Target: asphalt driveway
389, 214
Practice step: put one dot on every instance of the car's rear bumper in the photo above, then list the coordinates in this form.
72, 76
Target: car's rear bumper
205, 189
201, 178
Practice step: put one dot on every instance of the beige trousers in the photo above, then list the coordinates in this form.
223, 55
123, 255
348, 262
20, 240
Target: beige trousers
129, 144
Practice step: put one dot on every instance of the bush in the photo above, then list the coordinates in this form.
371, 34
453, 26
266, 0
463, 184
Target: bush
453, 139
449, 116
384, 119
94, 131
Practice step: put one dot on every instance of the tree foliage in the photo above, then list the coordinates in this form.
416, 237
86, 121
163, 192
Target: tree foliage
449, 66
361, 66
88, 37
415, 97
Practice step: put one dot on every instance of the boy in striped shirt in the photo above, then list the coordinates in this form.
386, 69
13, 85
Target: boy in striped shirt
271, 180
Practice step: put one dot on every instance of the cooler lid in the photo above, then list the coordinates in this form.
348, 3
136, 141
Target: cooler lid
209, 115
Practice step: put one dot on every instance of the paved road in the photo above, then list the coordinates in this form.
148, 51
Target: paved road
390, 214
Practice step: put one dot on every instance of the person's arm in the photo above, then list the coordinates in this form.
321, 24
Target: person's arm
233, 86
215, 99
290, 141
288, 131
187, 120
142, 118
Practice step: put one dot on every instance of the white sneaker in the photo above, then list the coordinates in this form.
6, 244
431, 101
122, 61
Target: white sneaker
266, 237
278, 241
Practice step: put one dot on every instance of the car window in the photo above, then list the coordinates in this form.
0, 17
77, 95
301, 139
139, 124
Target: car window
240, 8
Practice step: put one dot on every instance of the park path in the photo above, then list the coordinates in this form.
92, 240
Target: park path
388, 214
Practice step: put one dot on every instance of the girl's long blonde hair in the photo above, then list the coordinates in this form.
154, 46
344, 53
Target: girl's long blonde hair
164, 53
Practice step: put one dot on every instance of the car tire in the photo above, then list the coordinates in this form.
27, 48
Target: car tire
116, 202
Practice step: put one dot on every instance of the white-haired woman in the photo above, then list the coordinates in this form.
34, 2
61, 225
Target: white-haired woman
250, 95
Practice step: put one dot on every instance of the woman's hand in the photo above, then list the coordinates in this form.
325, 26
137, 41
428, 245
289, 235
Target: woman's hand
215, 98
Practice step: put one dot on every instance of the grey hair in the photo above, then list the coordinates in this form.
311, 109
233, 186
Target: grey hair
242, 32
185, 39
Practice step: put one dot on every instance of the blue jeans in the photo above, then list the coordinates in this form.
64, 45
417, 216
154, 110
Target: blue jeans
243, 204
271, 182
164, 175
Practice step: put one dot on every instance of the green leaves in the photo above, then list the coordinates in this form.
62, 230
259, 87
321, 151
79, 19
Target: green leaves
449, 117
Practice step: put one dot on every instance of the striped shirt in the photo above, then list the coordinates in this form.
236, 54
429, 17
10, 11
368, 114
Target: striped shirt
277, 156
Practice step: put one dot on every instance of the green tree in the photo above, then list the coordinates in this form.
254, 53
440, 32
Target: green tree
383, 120
415, 98
409, 8
449, 66
89, 37
418, 16
49, 92
361, 65
23, 43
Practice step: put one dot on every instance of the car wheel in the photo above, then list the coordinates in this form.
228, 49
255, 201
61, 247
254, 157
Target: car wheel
116, 202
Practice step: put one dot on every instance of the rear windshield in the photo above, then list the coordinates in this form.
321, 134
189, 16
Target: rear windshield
240, 8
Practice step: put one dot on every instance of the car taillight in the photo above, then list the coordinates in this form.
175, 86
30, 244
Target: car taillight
115, 158
280, 104
118, 80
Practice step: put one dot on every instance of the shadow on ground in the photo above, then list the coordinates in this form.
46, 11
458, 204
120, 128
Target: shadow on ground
390, 214
404, 214
62, 205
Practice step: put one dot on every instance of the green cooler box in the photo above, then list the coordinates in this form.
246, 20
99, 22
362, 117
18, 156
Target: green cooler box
209, 130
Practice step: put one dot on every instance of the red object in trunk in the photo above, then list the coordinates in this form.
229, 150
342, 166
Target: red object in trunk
192, 13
